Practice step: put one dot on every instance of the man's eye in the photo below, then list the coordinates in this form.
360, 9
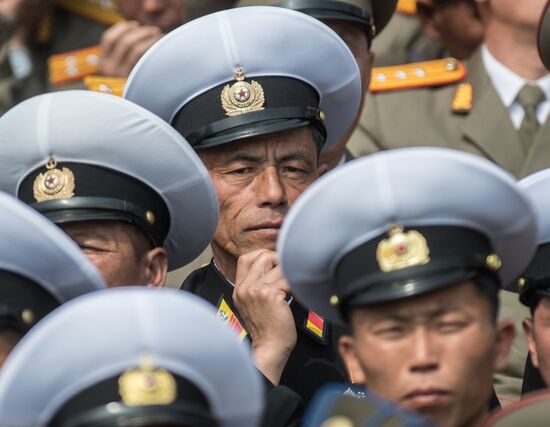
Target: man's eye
451, 326
242, 171
294, 170
391, 331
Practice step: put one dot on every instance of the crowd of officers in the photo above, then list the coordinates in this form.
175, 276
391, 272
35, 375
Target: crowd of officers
366, 181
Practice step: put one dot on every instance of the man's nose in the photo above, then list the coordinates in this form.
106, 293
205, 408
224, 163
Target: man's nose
425, 354
270, 188
153, 6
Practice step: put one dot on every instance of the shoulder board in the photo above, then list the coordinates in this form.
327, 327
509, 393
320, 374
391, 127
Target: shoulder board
73, 66
407, 7
104, 84
102, 11
416, 75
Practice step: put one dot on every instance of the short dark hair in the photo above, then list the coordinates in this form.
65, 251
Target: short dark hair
139, 239
489, 289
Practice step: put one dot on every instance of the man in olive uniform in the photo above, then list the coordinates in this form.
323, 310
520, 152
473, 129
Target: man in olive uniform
414, 246
495, 105
62, 42
258, 107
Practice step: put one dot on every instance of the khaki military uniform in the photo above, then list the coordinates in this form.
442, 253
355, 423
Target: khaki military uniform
73, 27
68, 32
404, 41
429, 117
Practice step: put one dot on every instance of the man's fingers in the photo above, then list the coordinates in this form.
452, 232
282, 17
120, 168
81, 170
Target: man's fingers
123, 46
245, 263
138, 50
113, 34
263, 264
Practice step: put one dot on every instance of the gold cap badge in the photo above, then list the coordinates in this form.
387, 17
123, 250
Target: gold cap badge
54, 184
242, 97
147, 385
401, 250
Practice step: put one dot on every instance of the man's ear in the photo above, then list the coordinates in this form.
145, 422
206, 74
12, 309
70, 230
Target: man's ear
156, 267
506, 332
322, 169
346, 347
425, 12
529, 329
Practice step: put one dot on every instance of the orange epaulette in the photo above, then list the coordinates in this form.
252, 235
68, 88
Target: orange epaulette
104, 84
407, 7
73, 66
416, 75
102, 11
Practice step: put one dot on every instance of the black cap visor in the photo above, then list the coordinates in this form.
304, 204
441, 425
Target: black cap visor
102, 194
100, 406
456, 255
289, 104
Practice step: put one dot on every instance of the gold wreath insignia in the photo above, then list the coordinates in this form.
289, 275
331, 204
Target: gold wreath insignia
54, 184
401, 250
147, 385
242, 97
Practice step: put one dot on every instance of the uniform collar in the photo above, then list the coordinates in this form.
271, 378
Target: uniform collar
506, 82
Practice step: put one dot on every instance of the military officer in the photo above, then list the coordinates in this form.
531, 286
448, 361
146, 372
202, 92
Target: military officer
123, 184
115, 359
41, 268
63, 44
258, 106
358, 23
478, 106
495, 105
534, 287
416, 276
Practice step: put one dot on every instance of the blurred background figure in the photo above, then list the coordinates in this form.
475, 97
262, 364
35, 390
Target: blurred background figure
56, 44
423, 30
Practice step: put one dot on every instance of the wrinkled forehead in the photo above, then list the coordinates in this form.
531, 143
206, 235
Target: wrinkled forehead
296, 142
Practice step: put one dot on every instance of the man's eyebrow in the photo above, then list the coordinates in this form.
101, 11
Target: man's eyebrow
242, 157
87, 234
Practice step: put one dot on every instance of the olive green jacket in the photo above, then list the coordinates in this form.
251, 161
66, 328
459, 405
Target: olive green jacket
424, 117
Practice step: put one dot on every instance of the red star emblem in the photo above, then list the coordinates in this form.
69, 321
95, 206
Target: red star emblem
51, 181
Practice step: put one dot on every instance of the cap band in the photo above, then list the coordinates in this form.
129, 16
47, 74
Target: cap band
23, 302
536, 279
289, 103
100, 406
328, 9
101, 194
451, 255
